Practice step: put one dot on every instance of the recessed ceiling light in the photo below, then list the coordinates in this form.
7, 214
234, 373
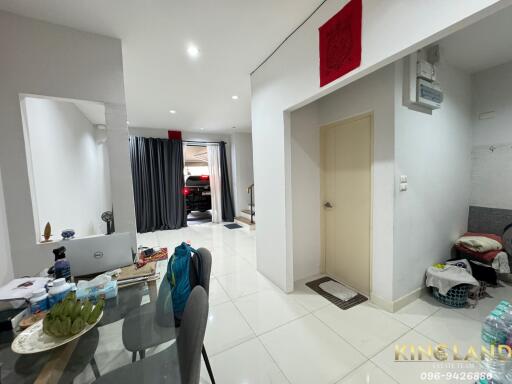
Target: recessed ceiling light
202, 129
234, 97
127, 122
172, 112
193, 51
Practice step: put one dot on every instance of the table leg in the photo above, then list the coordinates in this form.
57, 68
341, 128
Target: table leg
153, 293
54, 368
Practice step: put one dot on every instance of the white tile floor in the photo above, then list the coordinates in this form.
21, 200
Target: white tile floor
257, 334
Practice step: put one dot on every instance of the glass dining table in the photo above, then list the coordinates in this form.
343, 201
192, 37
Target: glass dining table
134, 342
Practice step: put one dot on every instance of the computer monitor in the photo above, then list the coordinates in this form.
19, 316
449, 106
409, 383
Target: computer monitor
97, 254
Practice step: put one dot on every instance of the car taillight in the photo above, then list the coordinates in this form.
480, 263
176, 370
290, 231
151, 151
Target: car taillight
204, 177
186, 191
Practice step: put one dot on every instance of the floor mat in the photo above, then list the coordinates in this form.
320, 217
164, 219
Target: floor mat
233, 226
315, 286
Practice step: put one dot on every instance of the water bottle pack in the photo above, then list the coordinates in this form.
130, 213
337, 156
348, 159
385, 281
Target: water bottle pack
496, 331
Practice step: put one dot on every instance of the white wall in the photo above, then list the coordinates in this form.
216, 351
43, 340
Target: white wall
46, 59
434, 152
374, 93
243, 175
491, 92
306, 203
104, 191
491, 180
413, 229
71, 187
491, 176
289, 79
6, 273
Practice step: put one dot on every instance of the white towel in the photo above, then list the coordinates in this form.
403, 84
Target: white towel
449, 277
500, 263
338, 290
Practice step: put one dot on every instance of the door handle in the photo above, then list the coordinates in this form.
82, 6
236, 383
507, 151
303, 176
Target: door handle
98, 254
328, 205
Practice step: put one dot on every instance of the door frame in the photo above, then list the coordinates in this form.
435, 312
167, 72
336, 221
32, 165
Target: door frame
323, 129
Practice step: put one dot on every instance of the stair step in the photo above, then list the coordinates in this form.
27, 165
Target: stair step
247, 216
243, 221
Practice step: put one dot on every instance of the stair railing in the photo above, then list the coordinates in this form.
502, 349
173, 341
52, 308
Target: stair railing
250, 191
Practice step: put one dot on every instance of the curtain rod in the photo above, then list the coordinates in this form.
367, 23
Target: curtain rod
192, 142
202, 142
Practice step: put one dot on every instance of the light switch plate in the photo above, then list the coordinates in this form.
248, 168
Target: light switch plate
403, 187
403, 178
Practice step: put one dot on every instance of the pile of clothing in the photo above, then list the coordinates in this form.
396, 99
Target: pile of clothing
449, 275
487, 249
481, 259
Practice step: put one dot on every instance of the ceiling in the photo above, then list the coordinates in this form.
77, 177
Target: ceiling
482, 45
95, 112
233, 37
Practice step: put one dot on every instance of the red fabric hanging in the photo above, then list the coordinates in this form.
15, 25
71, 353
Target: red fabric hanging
174, 135
340, 42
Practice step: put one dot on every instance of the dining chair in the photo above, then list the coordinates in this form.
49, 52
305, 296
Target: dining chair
181, 362
152, 325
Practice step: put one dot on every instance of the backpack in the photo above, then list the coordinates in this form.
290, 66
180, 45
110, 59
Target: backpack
179, 276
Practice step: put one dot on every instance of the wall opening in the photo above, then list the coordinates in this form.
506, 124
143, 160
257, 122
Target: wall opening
68, 166
433, 168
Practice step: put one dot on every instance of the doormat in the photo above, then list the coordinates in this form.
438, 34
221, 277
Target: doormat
233, 226
315, 286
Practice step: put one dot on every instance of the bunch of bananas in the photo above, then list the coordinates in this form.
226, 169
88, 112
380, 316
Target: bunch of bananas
70, 316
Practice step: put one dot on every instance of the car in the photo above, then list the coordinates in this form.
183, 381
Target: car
198, 195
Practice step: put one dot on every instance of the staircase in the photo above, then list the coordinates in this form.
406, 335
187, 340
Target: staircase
246, 218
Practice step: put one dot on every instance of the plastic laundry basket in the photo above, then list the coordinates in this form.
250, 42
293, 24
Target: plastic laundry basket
477, 293
456, 297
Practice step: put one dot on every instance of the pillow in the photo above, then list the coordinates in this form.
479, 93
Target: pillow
489, 235
478, 243
484, 257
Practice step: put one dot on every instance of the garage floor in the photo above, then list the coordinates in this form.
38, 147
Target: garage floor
199, 218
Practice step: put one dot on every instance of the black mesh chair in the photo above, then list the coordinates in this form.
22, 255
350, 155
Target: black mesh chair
152, 325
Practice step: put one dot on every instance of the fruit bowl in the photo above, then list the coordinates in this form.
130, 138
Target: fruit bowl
34, 340
66, 321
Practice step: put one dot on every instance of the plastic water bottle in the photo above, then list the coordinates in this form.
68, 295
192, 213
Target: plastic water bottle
506, 308
494, 333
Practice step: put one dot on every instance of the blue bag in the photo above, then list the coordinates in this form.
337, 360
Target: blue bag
178, 275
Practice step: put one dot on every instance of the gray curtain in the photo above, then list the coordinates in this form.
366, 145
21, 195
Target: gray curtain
158, 182
228, 212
